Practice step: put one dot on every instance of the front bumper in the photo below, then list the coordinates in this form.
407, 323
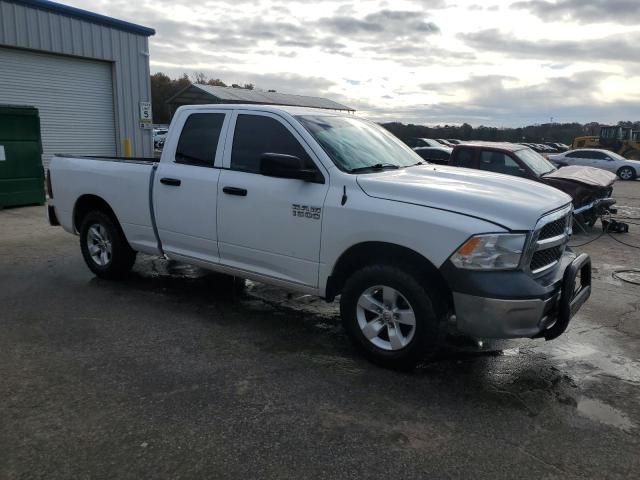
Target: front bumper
540, 315
598, 207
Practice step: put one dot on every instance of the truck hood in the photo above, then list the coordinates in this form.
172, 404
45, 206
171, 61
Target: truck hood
512, 202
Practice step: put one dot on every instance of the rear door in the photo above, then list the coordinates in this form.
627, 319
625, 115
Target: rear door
270, 226
186, 185
581, 157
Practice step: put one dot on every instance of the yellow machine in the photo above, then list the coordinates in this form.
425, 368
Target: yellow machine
620, 140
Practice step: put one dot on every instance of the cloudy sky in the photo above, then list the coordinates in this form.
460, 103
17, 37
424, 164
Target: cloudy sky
490, 62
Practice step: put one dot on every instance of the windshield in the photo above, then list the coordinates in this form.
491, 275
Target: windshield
536, 162
355, 145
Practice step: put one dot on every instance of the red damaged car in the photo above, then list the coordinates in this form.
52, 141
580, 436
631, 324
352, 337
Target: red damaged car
590, 188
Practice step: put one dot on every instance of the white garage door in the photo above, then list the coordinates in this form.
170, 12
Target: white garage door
74, 97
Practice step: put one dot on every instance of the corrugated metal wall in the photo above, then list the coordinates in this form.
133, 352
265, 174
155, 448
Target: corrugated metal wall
25, 27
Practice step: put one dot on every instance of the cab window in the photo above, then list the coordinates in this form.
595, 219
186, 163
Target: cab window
257, 134
199, 139
499, 162
464, 158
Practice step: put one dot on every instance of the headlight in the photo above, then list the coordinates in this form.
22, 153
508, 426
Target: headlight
499, 251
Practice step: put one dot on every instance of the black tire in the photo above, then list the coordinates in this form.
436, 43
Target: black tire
425, 302
630, 173
121, 257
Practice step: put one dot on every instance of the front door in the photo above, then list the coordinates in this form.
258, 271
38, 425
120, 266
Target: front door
186, 186
270, 226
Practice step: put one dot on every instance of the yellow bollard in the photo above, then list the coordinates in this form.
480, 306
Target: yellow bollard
128, 149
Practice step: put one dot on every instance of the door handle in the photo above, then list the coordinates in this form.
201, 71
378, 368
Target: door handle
174, 182
241, 192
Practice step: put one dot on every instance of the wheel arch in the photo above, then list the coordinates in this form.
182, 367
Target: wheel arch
87, 203
369, 253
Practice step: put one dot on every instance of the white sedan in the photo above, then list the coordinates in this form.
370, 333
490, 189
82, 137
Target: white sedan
592, 157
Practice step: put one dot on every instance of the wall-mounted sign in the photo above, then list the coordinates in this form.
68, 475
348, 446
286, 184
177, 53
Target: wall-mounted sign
146, 116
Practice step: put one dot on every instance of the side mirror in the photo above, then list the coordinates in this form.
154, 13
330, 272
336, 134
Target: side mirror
281, 165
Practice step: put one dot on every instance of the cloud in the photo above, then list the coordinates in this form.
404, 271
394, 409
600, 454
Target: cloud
491, 101
376, 55
613, 48
624, 12
384, 25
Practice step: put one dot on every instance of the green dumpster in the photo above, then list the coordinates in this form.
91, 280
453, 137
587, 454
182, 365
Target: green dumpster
21, 172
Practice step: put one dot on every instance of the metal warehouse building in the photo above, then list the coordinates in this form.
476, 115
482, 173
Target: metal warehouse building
87, 74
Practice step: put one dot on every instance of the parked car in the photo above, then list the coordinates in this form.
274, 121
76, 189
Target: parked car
532, 146
329, 204
159, 136
425, 142
598, 158
589, 188
439, 155
444, 142
558, 147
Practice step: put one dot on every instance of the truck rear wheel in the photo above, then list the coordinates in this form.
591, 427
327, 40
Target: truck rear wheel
104, 247
391, 316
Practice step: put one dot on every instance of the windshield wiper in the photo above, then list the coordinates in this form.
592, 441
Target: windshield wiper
376, 167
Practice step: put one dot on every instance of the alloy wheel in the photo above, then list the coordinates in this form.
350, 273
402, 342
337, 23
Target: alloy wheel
386, 318
626, 173
99, 244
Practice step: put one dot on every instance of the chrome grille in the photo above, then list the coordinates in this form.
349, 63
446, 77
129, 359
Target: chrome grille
553, 229
549, 240
543, 258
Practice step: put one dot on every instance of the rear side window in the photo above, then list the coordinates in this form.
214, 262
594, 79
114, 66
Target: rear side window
464, 158
199, 139
257, 134
500, 163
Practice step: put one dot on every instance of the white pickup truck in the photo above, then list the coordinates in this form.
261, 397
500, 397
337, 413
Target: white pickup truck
330, 204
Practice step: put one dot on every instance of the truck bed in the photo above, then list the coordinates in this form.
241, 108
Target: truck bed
123, 183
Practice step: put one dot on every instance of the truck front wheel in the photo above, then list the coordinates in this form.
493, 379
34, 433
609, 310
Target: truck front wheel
104, 247
391, 316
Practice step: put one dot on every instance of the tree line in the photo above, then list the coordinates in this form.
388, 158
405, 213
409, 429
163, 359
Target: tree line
546, 132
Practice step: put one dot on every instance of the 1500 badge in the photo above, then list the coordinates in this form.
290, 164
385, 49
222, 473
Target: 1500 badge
305, 211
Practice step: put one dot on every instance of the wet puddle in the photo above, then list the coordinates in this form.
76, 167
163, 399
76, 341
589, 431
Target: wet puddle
603, 413
598, 362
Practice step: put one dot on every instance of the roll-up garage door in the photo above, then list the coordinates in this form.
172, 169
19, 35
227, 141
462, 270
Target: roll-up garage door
73, 96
